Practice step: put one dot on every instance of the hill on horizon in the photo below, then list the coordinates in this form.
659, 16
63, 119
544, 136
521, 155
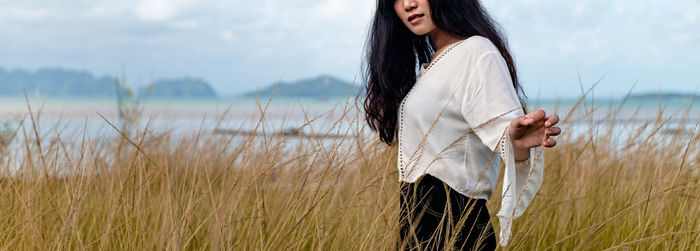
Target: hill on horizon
55, 82
664, 96
321, 87
179, 88
58, 82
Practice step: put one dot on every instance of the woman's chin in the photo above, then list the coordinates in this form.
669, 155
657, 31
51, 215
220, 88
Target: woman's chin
420, 32
422, 29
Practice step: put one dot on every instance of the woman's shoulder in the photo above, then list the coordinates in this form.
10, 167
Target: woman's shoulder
476, 46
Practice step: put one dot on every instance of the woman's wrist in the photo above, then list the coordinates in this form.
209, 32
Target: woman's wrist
520, 153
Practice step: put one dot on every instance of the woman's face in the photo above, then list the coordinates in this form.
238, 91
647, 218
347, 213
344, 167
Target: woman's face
415, 14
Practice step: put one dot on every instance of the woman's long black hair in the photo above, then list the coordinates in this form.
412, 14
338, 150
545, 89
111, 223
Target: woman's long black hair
393, 54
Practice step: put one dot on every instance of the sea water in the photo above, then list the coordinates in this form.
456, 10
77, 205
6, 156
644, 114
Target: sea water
74, 118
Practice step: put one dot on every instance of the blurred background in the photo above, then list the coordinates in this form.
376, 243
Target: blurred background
192, 58
134, 125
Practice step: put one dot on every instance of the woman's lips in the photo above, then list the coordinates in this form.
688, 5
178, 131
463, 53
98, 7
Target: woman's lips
415, 18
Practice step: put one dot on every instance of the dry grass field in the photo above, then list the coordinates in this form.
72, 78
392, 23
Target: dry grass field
147, 190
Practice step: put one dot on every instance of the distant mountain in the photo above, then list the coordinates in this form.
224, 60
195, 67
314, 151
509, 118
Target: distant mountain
664, 96
321, 87
56, 82
179, 88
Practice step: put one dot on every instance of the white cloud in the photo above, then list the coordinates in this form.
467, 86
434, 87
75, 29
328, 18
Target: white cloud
159, 10
227, 36
185, 24
692, 14
331, 9
307, 37
24, 14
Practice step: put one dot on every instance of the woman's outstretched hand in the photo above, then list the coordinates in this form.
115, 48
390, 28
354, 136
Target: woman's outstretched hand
531, 130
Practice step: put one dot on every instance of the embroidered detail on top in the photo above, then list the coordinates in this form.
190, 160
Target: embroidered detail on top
401, 112
519, 164
439, 56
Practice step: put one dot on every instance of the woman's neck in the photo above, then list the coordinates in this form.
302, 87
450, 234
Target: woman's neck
441, 39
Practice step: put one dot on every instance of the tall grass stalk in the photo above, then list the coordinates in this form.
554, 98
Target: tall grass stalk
145, 190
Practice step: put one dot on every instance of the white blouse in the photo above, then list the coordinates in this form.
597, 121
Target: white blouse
454, 120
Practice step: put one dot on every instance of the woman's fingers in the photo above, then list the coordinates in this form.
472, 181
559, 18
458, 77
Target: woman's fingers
551, 120
553, 131
536, 115
550, 142
522, 121
529, 119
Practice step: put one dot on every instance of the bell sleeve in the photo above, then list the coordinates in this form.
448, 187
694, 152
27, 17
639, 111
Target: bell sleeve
489, 104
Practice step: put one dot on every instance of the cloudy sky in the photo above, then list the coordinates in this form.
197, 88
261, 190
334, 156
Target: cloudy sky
238, 45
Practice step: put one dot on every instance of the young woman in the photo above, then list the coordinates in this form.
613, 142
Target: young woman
442, 80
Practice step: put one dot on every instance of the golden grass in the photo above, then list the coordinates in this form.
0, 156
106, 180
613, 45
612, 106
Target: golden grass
143, 190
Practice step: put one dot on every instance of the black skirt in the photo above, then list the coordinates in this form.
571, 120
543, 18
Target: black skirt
429, 220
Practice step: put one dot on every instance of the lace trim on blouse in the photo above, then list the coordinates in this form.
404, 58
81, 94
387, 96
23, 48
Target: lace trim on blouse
421, 73
521, 182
